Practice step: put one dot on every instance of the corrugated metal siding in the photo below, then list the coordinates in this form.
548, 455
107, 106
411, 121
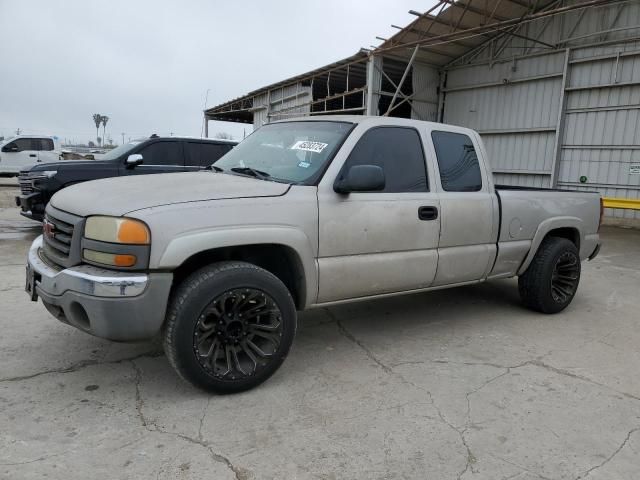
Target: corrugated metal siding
601, 119
426, 81
291, 101
515, 112
602, 126
260, 110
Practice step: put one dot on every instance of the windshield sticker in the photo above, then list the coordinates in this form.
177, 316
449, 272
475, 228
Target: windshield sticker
304, 164
308, 146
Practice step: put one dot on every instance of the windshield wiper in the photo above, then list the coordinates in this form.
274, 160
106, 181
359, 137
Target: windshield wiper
215, 168
251, 172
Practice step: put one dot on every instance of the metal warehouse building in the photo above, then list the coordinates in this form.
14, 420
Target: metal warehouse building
553, 87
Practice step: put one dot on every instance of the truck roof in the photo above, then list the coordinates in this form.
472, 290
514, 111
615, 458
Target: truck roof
184, 137
376, 120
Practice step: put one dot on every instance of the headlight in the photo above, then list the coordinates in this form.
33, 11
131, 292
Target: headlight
117, 230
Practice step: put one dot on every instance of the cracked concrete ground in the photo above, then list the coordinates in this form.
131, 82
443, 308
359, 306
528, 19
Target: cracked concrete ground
458, 384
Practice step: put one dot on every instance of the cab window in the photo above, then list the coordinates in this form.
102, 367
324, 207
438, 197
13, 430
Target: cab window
457, 162
398, 151
205, 154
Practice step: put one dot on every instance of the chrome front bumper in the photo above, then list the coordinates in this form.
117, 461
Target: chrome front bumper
119, 306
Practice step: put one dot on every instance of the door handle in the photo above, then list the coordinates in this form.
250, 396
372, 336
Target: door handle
427, 213
32, 155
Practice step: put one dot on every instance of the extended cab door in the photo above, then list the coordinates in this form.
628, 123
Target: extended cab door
378, 242
46, 150
468, 205
159, 156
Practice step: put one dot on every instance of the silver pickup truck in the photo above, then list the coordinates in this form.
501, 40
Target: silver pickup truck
302, 214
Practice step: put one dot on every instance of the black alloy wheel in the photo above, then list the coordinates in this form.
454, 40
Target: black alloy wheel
565, 277
229, 326
237, 333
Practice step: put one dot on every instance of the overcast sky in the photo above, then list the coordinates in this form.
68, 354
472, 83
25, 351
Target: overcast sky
147, 64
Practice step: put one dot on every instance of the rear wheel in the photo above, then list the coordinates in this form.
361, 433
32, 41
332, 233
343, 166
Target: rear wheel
552, 279
229, 327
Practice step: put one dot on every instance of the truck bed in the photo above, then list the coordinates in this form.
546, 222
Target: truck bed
527, 214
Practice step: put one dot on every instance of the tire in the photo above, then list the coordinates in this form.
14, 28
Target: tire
229, 327
551, 281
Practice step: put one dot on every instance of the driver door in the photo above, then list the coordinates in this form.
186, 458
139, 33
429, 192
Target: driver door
380, 242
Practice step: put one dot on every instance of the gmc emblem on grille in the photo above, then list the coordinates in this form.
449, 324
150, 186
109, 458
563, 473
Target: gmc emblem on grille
48, 229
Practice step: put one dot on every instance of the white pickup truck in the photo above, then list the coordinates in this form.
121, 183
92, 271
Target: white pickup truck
22, 151
302, 214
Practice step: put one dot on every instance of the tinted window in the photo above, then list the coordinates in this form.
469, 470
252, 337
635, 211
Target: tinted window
162, 153
24, 144
204, 154
45, 144
457, 161
399, 152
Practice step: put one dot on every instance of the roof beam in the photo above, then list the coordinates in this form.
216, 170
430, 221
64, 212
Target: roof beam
484, 29
475, 10
437, 20
522, 3
421, 32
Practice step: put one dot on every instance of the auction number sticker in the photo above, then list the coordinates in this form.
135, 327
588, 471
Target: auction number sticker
634, 169
308, 146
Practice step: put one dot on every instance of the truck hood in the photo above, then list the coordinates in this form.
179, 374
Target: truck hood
65, 164
121, 195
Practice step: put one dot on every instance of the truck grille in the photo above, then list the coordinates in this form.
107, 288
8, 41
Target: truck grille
57, 234
61, 234
26, 186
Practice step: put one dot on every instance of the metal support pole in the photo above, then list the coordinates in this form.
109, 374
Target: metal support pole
557, 148
370, 108
206, 127
441, 94
404, 76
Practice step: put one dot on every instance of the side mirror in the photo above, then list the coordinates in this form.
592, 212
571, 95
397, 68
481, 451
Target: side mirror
134, 160
360, 178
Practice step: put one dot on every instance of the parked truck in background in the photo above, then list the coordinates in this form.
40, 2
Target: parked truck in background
152, 155
302, 214
22, 151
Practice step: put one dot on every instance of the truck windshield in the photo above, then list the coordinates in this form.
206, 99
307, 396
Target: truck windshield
291, 152
118, 151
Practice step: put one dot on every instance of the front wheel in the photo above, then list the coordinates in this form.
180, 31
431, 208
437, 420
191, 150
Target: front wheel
552, 278
229, 327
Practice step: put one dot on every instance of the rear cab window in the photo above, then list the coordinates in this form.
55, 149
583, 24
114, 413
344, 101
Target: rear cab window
457, 162
204, 154
45, 144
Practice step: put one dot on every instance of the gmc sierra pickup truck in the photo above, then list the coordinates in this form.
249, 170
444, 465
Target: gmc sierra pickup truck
302, 214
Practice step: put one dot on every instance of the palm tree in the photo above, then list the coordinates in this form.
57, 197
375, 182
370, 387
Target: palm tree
97, 119
104, 119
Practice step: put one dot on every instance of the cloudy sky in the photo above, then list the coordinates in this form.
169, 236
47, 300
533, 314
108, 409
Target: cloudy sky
147, 64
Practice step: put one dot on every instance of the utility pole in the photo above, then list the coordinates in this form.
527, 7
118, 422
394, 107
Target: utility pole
122, 138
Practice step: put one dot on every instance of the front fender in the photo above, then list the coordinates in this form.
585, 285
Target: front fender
186, 245
544, 228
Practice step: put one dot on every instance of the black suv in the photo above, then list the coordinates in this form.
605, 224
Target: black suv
153, 155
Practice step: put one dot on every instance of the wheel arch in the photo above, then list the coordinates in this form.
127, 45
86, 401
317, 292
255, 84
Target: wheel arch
570, 228
280, 260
